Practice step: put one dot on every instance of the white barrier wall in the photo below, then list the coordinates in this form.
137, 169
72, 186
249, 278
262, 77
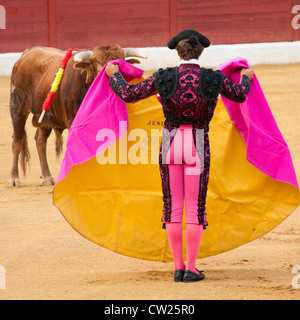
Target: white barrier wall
7, 61
257, 53
162, 57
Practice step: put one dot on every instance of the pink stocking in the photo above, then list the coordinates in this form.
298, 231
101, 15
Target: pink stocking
174, 233
193, 237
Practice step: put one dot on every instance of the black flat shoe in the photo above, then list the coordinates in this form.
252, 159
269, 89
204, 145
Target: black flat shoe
190, 276
178, 276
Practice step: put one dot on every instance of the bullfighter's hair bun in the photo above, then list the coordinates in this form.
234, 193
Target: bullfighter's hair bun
188, 34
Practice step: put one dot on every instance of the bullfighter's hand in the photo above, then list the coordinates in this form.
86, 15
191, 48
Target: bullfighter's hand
111, 69
247, 72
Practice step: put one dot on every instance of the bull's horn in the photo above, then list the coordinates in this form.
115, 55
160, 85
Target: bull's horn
80, 56
132, 52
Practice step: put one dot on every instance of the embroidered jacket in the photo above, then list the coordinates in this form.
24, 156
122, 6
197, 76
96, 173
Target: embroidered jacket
188, 93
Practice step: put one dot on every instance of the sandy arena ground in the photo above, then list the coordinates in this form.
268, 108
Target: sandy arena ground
45, 258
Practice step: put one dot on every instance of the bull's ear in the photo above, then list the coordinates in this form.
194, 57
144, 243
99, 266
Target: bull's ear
132, 61
85, 67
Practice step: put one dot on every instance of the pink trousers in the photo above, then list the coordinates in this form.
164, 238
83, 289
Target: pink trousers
185, 176
184, 172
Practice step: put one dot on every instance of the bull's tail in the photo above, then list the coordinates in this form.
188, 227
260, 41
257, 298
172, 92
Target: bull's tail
25, 154
58, 142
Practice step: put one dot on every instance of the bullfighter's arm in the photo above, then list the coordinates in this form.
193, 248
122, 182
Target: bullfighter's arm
132, 92
236, 92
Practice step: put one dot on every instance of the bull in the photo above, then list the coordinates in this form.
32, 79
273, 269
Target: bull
31, 80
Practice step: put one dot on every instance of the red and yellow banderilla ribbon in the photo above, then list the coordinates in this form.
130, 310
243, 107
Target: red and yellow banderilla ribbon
55, 84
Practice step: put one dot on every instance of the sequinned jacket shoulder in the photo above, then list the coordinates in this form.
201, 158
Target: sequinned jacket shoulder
210, 83
166, 81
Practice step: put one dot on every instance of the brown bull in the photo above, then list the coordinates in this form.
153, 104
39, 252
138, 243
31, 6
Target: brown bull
31, 80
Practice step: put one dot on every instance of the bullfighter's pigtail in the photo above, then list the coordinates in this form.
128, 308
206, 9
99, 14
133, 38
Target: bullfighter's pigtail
55, 84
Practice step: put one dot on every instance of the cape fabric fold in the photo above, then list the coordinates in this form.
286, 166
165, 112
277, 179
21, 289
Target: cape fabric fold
118, 205
266, 148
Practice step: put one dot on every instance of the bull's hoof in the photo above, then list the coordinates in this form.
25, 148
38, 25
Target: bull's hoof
48, 181
14, 182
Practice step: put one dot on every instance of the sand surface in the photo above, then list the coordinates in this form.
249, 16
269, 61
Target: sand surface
44, 258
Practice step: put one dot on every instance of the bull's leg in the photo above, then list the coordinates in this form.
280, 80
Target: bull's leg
19, 146
14, 174
41, 137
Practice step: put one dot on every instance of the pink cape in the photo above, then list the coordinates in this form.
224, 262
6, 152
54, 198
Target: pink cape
100, 109
266, 148
119, 207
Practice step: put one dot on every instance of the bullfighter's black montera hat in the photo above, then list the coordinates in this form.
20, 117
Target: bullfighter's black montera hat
187, 34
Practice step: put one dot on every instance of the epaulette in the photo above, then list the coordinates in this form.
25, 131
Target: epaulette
166, 81
210, 83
